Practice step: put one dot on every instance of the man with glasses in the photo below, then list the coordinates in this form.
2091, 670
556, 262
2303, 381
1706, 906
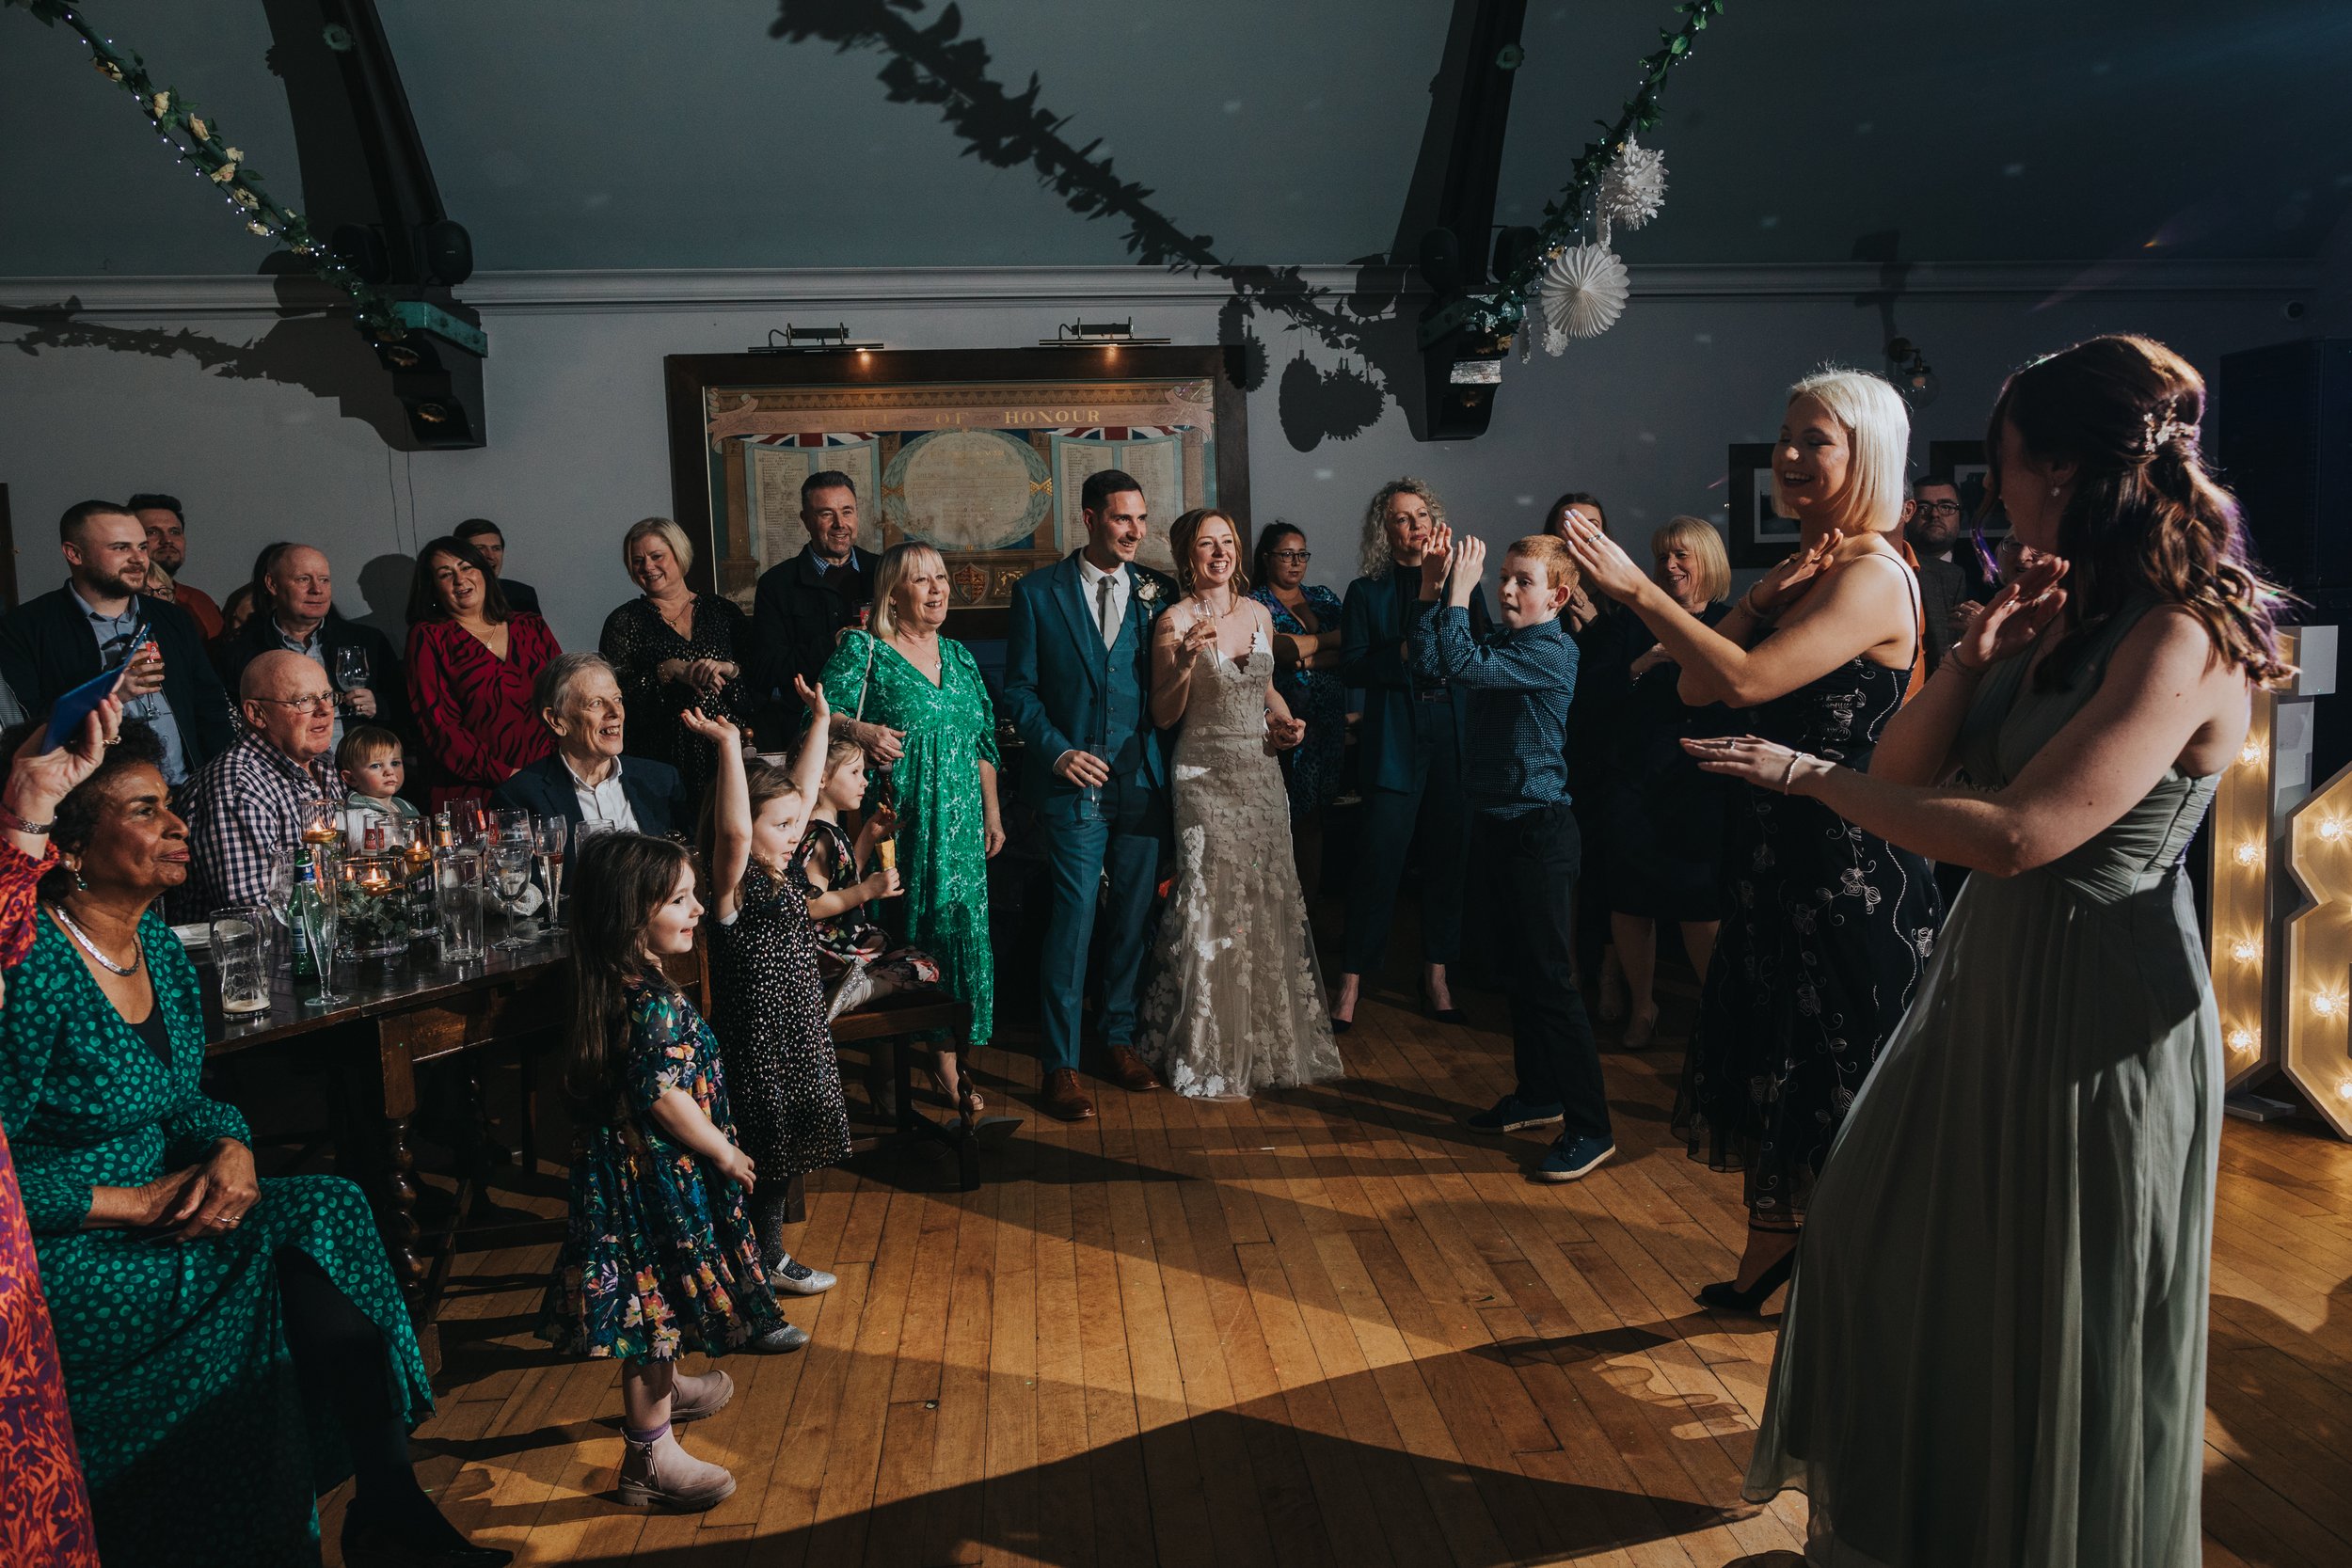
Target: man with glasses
64, 638
245, 806
1933, 524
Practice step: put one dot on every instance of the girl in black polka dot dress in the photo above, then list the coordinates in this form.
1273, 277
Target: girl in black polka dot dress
769, 998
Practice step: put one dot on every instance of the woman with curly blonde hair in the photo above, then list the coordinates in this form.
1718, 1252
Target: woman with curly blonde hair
1409, 755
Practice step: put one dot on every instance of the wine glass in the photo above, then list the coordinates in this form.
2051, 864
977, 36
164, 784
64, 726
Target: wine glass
510, 875
553, 832
510, 825
351, 668
466, 818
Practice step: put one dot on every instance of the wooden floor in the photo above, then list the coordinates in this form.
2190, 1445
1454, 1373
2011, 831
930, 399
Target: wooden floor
1328, 1326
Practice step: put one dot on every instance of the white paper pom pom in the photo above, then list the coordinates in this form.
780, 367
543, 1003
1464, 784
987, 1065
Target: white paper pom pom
1583, 292
1633, 186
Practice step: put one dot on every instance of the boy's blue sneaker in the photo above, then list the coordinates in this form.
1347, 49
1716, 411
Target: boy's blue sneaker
1511, 1113
1570, 1159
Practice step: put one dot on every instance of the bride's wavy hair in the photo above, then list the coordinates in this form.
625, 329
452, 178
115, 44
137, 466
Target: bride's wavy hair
1187, 529
2146, 516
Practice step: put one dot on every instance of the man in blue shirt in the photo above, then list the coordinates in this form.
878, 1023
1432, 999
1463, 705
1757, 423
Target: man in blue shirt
1520, 679
56, 640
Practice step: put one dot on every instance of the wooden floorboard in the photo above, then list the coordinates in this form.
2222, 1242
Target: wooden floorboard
1329, 1326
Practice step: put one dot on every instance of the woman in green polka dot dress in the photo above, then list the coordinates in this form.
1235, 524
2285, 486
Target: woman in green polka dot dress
232, 1345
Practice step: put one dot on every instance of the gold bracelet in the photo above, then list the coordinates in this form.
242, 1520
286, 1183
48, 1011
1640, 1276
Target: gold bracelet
1756, 611
1789, 774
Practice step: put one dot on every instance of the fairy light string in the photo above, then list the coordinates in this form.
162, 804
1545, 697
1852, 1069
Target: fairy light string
1502, 311
196, 141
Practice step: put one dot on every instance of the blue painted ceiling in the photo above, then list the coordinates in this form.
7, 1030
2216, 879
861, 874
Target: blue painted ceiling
600, 133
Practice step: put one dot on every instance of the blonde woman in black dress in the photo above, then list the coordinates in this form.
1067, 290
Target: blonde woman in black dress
1829, 928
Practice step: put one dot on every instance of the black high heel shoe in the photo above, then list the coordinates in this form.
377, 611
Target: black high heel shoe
1724, 1295
1429, 1009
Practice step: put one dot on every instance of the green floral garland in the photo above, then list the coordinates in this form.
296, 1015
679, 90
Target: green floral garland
1502, 312
198, 141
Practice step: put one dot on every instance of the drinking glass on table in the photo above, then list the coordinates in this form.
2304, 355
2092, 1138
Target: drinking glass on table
552, 833
241, 958
351, 671
466, 818
510, 879
510, 825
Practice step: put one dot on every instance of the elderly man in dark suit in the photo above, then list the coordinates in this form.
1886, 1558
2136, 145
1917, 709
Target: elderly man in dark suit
55, 642
805, 604
297, 615
588, 780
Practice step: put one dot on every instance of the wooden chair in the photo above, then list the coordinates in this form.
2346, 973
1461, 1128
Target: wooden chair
900, 1018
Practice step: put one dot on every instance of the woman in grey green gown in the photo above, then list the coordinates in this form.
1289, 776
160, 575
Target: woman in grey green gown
1993, 1352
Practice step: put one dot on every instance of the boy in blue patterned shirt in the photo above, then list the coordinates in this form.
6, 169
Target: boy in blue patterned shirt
1521, 679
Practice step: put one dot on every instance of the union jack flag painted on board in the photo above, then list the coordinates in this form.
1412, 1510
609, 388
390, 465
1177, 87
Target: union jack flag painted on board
816, 439
1120, 432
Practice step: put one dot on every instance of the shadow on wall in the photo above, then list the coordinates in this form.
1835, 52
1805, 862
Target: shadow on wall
934, 65
384, 583
319, 353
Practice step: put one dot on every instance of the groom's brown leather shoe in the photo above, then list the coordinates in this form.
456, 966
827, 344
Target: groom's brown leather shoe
1133, 1072
1064, 1100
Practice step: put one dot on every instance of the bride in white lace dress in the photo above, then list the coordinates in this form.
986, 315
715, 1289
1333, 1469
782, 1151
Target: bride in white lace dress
1235, 1004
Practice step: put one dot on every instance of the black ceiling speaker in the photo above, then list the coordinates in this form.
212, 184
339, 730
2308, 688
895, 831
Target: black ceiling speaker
448, 251
1513, 247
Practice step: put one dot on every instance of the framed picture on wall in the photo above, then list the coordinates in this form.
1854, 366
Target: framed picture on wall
1759, 536
981, 452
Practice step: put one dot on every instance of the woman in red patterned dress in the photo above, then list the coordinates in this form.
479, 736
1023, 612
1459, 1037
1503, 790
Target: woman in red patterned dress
471, 664
45, 1519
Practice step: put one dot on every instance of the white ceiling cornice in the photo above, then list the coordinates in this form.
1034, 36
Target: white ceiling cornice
714, 289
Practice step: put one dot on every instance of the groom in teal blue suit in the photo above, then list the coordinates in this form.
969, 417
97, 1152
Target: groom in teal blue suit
1079, 683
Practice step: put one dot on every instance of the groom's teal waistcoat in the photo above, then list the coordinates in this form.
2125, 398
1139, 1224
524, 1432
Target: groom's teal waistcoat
1067, 691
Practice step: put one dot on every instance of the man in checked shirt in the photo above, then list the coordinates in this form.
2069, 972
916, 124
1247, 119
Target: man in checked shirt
1520, 678
246, 805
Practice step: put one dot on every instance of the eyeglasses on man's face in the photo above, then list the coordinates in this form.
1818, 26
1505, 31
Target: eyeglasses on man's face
1940, 509
321, 701
1300, 556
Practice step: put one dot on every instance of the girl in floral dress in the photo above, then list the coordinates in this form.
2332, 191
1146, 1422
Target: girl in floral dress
660, 1258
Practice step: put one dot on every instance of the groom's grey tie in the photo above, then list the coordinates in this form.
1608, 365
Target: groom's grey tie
1103, 610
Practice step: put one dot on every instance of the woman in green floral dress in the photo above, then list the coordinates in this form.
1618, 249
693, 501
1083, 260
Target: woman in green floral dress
919, 706
231, 1344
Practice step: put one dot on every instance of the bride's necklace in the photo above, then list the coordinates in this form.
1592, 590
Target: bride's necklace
138, 948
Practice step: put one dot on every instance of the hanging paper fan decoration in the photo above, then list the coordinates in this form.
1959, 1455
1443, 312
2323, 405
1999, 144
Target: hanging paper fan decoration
1632, 187
1583, 292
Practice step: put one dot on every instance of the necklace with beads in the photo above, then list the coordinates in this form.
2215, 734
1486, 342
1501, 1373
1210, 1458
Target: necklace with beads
82, 938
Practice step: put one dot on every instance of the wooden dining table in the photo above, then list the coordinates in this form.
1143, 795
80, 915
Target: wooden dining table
391, 1017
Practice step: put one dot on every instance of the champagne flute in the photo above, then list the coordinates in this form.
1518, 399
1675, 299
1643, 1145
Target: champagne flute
553, 832
510, 872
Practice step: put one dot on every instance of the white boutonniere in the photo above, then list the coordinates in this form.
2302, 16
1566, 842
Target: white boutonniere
1148, 594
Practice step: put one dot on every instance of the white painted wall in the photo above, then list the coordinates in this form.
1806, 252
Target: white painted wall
1639, 416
